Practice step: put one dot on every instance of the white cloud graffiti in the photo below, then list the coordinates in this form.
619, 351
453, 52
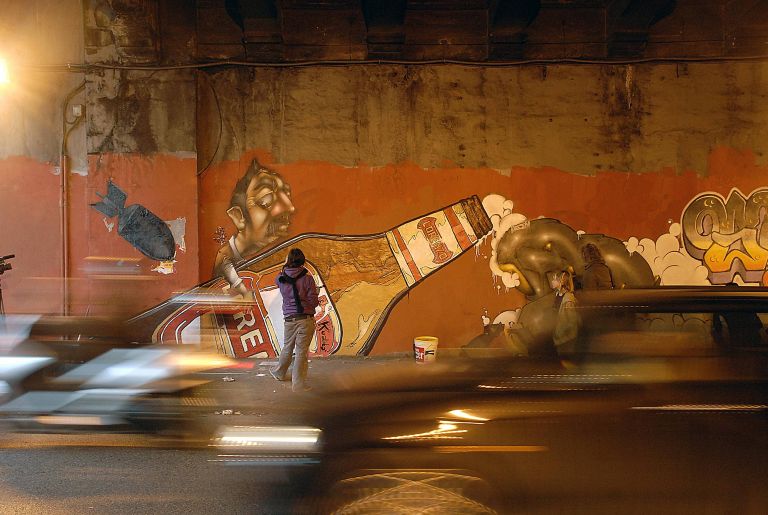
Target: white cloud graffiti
504, 219
666, 255
669, 260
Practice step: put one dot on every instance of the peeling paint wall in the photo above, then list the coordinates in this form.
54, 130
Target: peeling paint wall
618, 150
35, 34
613, 150
135, 127
581, 119
133, 111
141, 134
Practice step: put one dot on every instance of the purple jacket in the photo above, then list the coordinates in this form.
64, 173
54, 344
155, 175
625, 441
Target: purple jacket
307, 291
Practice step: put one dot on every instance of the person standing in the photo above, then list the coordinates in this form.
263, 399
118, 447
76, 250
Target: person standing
597, 275
299, 293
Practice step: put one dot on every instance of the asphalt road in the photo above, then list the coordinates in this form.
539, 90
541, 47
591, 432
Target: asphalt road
121, 480
142, 474
135, 473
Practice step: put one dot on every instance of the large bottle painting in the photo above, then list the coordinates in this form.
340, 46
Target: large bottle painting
360, 279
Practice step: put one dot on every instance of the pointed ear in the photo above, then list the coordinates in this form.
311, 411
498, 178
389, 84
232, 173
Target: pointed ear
237, 217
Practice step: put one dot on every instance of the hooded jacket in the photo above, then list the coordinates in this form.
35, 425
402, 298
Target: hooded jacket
306, 288
597, 276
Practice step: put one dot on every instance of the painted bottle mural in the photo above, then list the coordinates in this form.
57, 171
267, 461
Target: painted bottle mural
359, 279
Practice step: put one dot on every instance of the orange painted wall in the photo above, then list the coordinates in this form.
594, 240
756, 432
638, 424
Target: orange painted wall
329, 199
449, 305
30, 227
164, 184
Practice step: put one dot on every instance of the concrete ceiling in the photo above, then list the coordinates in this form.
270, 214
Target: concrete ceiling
421, 30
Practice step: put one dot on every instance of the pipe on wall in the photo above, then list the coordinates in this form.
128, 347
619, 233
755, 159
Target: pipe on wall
66, 128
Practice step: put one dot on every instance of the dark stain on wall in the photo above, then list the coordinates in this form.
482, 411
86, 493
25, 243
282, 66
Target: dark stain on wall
623, 117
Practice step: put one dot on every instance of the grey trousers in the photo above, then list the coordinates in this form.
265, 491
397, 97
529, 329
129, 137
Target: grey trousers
298, 336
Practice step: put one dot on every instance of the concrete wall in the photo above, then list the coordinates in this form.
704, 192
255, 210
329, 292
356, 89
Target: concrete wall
619, 150
633, 118
616, 150
136, 128
34, 34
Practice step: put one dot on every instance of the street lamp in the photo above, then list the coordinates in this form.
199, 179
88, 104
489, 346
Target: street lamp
5, 78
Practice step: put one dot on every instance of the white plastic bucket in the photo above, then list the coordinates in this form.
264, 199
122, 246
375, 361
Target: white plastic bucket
425, 349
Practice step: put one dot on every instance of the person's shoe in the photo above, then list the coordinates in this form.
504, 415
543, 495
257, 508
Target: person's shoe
274, 375
303, 388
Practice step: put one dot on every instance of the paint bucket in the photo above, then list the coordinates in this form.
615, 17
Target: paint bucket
425, 349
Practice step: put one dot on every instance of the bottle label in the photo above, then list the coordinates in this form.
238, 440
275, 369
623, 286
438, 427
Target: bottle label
423, 245
251, 330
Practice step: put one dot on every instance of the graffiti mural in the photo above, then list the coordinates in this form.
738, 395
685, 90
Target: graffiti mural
668, 259
359, 278
260, 209
717, 241
144, 230
727, 237
526, 254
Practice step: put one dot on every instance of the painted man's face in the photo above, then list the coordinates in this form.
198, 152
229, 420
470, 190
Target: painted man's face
268, 209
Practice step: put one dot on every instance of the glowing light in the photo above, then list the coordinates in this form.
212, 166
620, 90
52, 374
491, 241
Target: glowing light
271, 439
5, 77
445, 430
466, 416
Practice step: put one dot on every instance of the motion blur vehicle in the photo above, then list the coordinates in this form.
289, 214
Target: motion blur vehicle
63, 374
660, 407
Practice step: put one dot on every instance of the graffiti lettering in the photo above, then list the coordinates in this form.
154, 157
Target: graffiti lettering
727, 236
248, 340
323, 329
244, 319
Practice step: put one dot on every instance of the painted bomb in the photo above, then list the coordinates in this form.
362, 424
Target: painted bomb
139, 226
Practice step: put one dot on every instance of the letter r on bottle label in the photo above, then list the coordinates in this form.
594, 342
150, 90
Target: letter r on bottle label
244, 319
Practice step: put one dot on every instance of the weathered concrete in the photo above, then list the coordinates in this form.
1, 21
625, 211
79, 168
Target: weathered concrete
138, 111
141, 132
582, 119
35, 34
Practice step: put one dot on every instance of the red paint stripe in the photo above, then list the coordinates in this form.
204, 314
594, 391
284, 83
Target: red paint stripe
406, 254
458, 229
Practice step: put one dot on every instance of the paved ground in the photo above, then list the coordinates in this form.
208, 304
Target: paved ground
256, 393
129, 473
245, 397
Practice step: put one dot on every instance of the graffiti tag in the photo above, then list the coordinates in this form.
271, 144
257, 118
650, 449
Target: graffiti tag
727, 235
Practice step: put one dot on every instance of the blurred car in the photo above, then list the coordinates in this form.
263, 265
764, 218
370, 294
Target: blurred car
62, 374
661, 406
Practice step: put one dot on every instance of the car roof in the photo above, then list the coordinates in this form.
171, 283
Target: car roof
690, 299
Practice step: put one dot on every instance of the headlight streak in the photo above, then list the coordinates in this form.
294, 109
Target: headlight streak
261, 440
209, 298
466, 416
270, 438
445, 431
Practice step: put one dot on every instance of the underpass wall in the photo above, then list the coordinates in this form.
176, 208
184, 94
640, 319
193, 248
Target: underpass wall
616, 150
641, 153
